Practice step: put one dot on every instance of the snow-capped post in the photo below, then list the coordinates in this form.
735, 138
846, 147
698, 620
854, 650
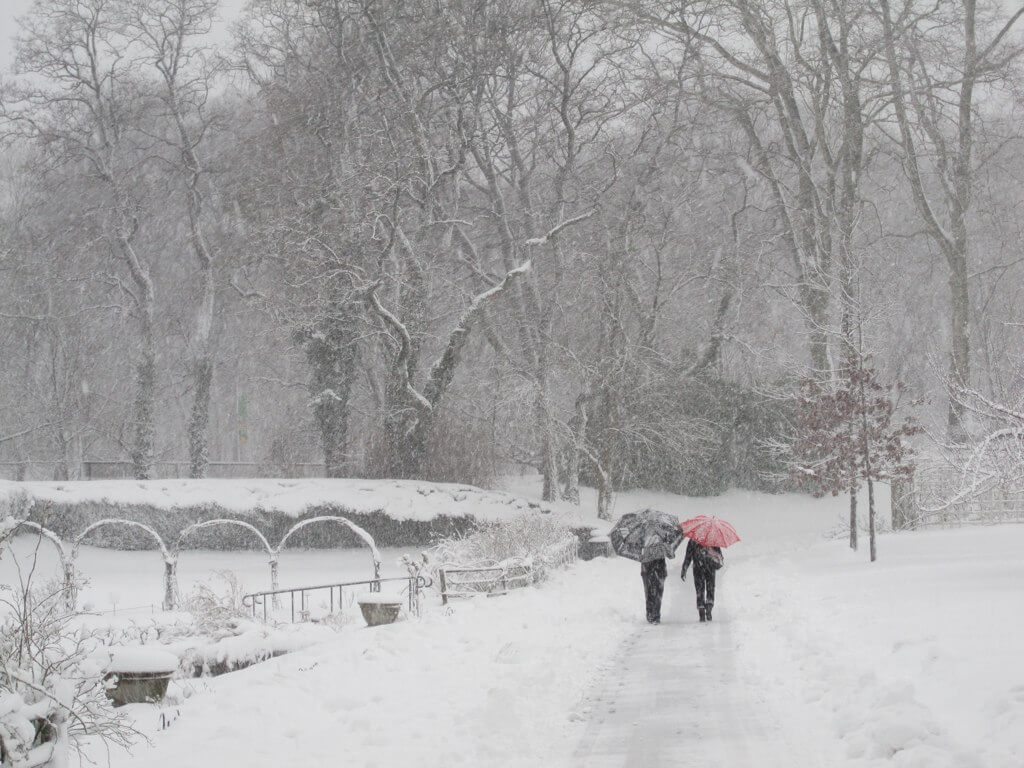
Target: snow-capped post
407, 455
170, 583
274, 582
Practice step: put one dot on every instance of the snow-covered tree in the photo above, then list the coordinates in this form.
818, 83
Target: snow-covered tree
845, 436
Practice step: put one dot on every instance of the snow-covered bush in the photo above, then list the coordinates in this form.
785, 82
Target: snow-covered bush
216, 612
53, 694
533, 537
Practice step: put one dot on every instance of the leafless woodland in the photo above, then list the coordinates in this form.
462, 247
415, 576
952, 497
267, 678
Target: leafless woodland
456, 238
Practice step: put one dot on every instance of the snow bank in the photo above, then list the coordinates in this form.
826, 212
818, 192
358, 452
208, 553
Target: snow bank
912, 662
399, 499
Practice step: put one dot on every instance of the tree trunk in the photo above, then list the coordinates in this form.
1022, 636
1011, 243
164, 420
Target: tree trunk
198, 424
903, 506
578, 427
959, 359
853, 517
871, 520
411, 414
202, 365
816, 301
144, 412
333, 355
144, 416
549, 444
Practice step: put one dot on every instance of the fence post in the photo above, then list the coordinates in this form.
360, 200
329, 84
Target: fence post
444, 586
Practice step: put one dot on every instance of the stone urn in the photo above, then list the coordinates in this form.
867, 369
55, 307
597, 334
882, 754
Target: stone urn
139, 675
380, 608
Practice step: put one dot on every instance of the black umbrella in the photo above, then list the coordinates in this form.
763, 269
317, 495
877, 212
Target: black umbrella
646, 535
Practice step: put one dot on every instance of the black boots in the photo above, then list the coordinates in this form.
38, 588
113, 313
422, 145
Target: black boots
707, 612
702, 613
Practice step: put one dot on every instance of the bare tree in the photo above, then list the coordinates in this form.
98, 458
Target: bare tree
938, 61
77, 98
170, 36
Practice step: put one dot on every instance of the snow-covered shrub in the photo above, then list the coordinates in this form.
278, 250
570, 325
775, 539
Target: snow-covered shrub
217, 613
53, 693
533, 538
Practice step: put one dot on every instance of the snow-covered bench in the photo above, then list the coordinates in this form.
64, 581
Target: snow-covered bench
488, 580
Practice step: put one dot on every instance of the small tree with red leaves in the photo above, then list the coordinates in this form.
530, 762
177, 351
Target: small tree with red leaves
846, 436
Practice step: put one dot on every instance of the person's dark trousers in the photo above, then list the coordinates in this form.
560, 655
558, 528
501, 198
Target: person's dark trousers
704, 583
653, 573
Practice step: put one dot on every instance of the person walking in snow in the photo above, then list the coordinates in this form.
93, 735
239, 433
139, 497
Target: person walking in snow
654, 572
706, 561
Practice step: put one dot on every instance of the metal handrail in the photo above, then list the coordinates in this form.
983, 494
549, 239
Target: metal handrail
415, 584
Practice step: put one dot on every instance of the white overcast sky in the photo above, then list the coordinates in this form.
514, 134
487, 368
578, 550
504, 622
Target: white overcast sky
11, 9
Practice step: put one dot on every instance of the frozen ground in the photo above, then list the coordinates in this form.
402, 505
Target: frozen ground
816, 659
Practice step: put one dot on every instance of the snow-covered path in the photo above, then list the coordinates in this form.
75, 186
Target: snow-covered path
679, 696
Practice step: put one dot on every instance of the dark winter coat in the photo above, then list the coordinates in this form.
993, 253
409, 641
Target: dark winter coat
697, 554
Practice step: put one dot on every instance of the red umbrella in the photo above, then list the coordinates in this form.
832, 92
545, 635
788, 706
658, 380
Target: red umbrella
709, 531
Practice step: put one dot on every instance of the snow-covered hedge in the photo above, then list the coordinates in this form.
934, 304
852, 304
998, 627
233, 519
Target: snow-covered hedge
396, 513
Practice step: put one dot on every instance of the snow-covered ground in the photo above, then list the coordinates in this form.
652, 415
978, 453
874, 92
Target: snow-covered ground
492, 682
816, 658
912, 661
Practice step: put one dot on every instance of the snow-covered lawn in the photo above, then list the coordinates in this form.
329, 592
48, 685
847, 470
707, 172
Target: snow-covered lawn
915, 660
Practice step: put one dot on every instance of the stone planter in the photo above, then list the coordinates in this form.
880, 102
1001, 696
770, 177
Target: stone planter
137, 687
596, 546
139, 675
380, 609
